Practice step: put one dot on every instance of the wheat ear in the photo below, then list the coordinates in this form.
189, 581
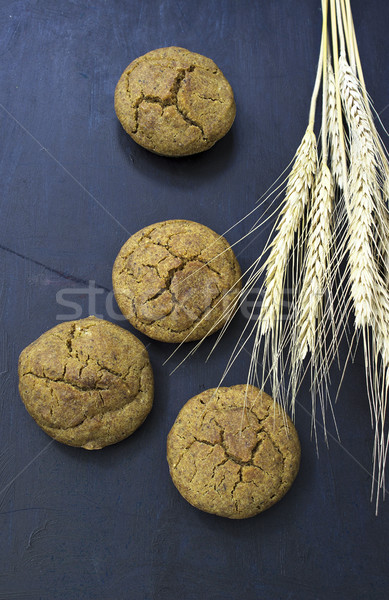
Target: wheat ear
297, 196
363, 271
368, 233
334, 131
363, 190
317, 263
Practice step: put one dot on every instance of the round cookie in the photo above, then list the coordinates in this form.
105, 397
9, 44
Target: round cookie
87, 383
174, 102
176, 281
233, 451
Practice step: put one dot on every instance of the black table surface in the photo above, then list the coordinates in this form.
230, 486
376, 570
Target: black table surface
109, 525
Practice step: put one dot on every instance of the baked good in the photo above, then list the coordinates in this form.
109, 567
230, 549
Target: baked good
233, 451
174, 102
86, 383
176, 281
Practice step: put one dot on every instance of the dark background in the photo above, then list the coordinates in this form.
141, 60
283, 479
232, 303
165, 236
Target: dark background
109, 525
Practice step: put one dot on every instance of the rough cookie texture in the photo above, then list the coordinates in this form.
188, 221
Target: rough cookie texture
231, 453
174, 102
86, 383
176, 281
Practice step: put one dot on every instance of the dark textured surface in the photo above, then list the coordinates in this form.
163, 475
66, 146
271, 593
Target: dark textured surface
110, 524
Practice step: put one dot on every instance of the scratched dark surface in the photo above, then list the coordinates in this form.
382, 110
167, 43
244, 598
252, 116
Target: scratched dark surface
109, 525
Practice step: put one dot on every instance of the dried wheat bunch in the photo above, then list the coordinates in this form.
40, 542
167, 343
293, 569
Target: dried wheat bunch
328, 248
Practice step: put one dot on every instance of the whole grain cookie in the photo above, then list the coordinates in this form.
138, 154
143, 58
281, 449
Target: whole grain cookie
176, 281
174, 102
233, 451
86, 383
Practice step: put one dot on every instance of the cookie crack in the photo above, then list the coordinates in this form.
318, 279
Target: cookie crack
239, 480
196, 318
260, 421
117, 373
90, 414
195, 321
80, 388
242, 463
167, 282
105, 410
139, 374
200, 441
166, 64
173, 270
102, 369
81, 368
191, 122
198, 314
209, 98
279, 451
171, 100
205, 262
69, 341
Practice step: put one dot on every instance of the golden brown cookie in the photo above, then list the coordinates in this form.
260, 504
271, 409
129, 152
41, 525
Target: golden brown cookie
87, 383
176, 281
174, 102
233, 451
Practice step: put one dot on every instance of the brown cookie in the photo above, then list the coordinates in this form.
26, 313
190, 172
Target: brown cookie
86, 383
233, 451
176, 281
174, 102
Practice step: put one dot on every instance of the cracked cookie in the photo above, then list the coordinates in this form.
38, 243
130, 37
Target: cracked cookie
233, 451
174, 102
87, 383
176, 281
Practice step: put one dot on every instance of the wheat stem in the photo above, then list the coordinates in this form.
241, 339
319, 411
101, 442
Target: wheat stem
339, 103
334, 131
325, 81
316, 87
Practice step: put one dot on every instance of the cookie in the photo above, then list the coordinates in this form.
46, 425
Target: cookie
233, 451
86, 383
176, 281
174, 102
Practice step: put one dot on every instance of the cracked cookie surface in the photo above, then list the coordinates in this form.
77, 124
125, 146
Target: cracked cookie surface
233, 451
174, 102
176, 281
87, 383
